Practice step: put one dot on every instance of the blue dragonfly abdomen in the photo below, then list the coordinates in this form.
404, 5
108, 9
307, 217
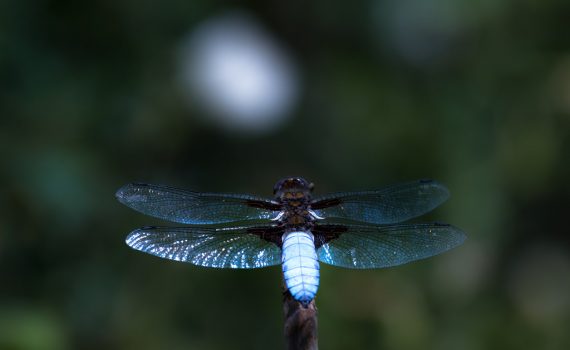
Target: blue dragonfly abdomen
300, 265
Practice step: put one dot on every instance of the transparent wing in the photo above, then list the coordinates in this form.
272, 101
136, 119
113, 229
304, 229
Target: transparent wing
196, 208
369, 246
386, 206
231, 247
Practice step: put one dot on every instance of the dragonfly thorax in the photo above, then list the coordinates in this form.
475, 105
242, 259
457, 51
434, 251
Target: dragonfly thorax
294, 218
297, 215
294, 194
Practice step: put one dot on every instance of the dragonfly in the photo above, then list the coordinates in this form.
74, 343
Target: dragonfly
357, 230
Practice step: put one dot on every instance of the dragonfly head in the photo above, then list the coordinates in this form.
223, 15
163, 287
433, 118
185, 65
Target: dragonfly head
293, 188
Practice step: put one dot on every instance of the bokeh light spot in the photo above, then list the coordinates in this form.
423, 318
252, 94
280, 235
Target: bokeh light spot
235, 72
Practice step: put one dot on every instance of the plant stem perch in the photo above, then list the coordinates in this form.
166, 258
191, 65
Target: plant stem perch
300, 323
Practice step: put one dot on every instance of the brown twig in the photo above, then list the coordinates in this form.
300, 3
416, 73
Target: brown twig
300, 323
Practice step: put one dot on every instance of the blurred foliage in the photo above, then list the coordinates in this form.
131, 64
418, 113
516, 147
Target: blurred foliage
476, 95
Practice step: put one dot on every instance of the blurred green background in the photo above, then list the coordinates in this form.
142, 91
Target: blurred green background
93, 95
